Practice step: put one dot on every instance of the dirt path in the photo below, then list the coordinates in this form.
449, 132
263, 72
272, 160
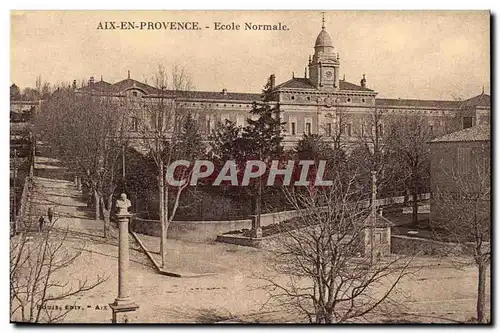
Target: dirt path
436, 292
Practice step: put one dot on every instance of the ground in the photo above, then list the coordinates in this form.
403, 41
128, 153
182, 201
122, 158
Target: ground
224, 284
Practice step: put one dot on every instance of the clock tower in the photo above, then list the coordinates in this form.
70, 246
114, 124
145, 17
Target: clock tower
324, 66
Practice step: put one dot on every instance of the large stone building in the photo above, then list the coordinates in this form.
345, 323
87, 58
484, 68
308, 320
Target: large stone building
321, 102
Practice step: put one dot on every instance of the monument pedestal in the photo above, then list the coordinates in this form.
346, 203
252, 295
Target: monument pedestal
122, 309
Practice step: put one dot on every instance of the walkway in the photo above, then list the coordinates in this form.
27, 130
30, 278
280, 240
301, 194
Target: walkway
436, 292
64, 198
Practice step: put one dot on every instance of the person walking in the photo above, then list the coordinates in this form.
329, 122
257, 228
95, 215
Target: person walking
50, 214
41, 221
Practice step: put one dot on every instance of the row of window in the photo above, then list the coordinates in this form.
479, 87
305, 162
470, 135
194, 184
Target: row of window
348, 100
346, 129
225, 105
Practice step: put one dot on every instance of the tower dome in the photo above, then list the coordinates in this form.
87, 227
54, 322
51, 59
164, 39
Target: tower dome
323, 39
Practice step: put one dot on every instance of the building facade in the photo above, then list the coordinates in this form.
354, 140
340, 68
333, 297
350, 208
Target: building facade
460, 172
321, 102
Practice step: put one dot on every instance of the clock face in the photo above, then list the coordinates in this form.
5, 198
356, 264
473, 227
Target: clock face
328, 74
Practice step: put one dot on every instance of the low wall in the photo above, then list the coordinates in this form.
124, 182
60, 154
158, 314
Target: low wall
202, 231
19, 224
421, 246
194, 231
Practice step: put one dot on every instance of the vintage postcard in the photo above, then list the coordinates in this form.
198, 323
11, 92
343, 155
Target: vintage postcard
323, 167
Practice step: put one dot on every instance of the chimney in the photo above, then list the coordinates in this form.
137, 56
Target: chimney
129, 73
363, 81
74, 84
224, 91
272, 78
305, 72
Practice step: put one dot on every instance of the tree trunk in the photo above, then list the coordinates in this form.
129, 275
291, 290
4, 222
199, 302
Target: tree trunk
406, 197
165, 224
256, 225
97, 199
414, 213
481, 293
96, 203
161, 190
106, 213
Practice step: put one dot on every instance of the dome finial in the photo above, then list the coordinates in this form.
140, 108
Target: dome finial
323, 20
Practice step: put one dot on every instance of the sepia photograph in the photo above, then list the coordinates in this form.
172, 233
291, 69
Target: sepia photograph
250, 167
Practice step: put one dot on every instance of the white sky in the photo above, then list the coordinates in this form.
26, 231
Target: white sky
426, 55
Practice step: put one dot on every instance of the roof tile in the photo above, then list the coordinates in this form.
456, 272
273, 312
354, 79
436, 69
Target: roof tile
476, 133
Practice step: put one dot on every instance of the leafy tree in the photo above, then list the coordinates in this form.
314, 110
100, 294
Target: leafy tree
408, 142
30, 94
261, 139
15, 92
225, 142
313, 147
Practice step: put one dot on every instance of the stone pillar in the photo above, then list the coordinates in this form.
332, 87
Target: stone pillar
256, 228
75, 181
123, 303
79, 183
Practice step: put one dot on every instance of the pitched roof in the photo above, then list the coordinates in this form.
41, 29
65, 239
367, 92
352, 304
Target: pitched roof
131, 83
304, 83
101, 86
344, 85
476, 133
392, 102
297, 83
214, 95
479, 100
380, 221
123, 85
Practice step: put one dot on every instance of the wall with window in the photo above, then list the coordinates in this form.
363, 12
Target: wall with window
464, 160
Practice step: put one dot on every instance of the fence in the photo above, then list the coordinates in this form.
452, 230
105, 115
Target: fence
406, 245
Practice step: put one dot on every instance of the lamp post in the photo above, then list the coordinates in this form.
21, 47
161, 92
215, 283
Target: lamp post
123, 304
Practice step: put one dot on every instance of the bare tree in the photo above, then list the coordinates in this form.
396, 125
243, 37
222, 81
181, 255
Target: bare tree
86, 132
463, 199
326, 279
37, 259
159, 123
371, 151
335, 127
43, 87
